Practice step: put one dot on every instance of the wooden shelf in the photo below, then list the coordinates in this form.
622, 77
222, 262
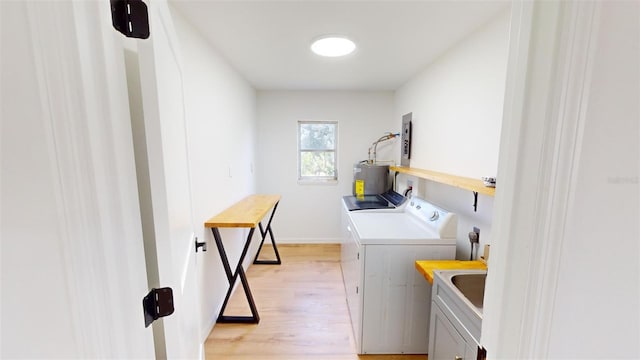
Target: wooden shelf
475, 185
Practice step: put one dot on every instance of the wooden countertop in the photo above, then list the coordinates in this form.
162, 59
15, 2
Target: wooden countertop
426, 267
247, 212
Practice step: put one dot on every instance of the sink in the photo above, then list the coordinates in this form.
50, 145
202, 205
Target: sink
471, 286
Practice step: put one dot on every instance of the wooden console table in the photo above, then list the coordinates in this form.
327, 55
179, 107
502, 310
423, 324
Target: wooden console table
247, 213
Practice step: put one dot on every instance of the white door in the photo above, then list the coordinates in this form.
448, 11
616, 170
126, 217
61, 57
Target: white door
73, 268
161, 81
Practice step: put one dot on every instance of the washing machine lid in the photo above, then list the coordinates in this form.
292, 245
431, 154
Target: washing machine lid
394, 228
386, 201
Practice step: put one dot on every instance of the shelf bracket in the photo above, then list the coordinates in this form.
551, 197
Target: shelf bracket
475, 201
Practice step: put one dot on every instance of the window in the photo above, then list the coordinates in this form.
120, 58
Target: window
317, 148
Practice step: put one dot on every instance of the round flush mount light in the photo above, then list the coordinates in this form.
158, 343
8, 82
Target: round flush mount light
333, 46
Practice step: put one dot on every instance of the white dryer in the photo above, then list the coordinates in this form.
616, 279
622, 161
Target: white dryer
389, 301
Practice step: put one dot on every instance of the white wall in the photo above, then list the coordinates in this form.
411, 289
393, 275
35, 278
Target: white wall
457, 114
221, 125
310, 213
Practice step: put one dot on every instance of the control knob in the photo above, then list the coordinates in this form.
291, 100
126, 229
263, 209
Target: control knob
434, 216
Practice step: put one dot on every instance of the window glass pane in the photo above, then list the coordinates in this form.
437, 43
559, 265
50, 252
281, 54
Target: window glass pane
317, 164
317, 136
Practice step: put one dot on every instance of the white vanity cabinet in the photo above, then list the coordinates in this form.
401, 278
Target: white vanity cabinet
448, 343
454, 329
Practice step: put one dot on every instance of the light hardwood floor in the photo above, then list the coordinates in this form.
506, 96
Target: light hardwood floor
302, 307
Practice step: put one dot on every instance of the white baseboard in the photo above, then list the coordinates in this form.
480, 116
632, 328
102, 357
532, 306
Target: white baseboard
281, 240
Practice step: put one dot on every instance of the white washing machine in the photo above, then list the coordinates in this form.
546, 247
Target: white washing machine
389, 301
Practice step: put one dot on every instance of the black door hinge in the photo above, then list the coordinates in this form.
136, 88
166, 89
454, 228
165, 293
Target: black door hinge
158, 303
131, 18
481, 353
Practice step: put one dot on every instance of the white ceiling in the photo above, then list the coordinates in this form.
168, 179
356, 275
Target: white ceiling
268, 41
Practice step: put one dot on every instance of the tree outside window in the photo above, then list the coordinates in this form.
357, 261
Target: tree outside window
317, 148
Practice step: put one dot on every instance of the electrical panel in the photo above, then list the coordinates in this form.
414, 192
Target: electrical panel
405, 147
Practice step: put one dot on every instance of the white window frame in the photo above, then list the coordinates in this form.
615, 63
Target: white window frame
317, 179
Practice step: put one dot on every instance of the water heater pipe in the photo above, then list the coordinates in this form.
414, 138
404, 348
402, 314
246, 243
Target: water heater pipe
374, 145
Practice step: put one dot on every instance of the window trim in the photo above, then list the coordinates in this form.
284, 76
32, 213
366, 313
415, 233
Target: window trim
319, 180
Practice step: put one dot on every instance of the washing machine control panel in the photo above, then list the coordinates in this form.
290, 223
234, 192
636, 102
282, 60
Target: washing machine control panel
443, 221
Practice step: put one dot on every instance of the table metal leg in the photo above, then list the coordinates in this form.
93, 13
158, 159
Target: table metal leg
263, 234
232, 278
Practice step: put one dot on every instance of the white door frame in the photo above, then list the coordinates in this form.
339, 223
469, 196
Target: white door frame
169, 184
548, 78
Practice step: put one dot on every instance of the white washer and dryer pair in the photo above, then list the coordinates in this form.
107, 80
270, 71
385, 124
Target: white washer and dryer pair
389, 301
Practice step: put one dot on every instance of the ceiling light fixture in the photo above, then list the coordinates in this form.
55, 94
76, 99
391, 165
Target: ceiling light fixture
333, 46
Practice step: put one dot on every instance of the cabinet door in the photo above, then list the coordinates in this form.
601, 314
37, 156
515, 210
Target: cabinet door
445, 343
